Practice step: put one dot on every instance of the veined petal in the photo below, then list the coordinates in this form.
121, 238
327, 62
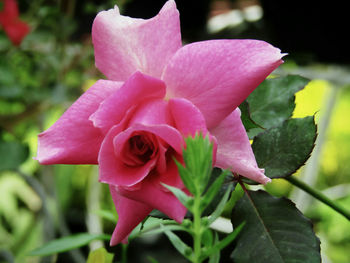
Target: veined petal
234, 150
130, 214
73, 139
124, 45
137, 89
217, 75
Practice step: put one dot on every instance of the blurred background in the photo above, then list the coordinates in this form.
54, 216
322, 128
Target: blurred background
54, 64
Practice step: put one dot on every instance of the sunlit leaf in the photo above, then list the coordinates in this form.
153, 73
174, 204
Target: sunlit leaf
100, 255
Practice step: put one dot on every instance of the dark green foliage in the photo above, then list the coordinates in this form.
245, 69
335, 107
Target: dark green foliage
275, 231
282, 150
273, 101
12, 154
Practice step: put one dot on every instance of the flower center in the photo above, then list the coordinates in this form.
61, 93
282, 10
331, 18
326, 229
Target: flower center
139, 149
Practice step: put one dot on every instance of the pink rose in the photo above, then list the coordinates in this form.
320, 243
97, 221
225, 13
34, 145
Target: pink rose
158, 92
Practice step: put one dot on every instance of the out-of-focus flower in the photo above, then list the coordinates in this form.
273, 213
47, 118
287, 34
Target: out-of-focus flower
158, 92
15, 28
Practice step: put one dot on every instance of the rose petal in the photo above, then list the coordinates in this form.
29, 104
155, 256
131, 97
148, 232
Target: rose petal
73, 139
234, 150
124, 45
152, 112
114, 171
153, 194
130, 214
217, 75
137, 89
189, 120
171, 175
187, 117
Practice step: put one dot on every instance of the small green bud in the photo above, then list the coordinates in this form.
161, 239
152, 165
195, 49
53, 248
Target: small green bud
187, 223
188, 252
205, 221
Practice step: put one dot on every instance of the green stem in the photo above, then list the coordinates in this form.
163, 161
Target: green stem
197, 231
319, 196
124, 253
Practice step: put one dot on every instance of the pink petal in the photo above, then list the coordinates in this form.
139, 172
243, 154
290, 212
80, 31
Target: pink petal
130, 214
217, 75
171, 175
189, 120
234, 150
153, 194
152, 112
137, 89
187, 117
124, 45
114, 171
73, 139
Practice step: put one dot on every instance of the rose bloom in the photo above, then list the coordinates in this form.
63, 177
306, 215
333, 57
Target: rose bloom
158, 92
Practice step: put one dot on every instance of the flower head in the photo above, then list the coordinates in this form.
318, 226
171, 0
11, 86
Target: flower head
158, 92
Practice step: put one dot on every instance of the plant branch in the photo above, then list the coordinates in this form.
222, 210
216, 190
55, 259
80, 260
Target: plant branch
319, 196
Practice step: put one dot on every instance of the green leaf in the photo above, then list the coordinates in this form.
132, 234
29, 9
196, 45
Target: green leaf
229, 180
282, 150
151, 260
207, 237
186, 177
198, 157
224, 242
100, 255
273, 101
108, 215
213, 189
154, 226
12, 155
180, 246
221, 206
67, 243
246, 118
275, 232
215, 257
186, 200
